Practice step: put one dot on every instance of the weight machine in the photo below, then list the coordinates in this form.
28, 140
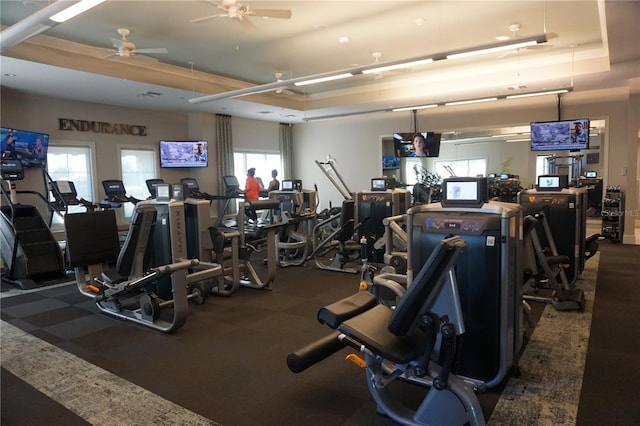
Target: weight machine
413, 343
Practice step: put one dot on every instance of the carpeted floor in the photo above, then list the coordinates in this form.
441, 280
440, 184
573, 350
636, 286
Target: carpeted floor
226, 365
611, 378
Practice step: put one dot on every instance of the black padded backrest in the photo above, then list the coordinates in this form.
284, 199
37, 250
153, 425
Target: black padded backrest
137, 241
347, 220
92, 238
431, 275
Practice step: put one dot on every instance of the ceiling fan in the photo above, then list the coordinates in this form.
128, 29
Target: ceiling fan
514, 28
283, 89
240, 12
126, 49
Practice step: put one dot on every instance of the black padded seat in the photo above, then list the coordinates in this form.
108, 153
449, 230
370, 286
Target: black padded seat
370, 329
393, 333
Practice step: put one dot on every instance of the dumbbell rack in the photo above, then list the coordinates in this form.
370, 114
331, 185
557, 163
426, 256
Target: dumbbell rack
613, 214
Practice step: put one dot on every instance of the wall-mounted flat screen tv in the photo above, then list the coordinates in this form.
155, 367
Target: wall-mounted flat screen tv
28, 147
183, 154
420, 144
560, 135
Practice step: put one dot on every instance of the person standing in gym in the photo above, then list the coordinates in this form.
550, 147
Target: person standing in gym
274, 185
251, 186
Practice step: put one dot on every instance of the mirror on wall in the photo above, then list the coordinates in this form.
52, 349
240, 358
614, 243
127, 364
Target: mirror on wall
505, 150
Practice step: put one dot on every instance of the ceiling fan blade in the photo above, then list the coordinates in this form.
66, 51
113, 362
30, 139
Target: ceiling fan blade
270, 13
152, 50
143, 57
110, 55
117, 43
206, 18
247, 25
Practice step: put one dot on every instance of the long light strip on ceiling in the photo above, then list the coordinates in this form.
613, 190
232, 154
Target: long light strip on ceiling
75, 10
490, 99
323, 79
515, 43
471, 101
41, 21
548, 92
333, 75
417, 107
397, 66
411, 108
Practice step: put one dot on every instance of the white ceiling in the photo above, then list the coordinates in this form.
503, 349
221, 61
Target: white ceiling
595, 45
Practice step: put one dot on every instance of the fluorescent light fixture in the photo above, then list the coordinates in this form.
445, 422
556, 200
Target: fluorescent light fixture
504, 135
376, 68
499, 47
411, 108
471, 101
397, 66
75, 10
548, 92
323, 79
41, 21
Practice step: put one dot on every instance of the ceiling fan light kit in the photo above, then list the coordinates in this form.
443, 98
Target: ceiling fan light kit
239, 13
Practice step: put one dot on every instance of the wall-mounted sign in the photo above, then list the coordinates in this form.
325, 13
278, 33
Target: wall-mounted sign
101, 127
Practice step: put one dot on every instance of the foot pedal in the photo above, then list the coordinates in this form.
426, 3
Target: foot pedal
356, 360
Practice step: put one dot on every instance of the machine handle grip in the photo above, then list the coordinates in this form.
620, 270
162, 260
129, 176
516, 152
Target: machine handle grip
315, 352
172, 267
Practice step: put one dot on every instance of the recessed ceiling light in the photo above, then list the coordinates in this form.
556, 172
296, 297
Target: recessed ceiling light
9, 75
344, 39
419, 21
502, 38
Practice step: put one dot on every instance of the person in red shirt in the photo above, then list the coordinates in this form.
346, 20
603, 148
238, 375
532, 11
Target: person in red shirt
251, 187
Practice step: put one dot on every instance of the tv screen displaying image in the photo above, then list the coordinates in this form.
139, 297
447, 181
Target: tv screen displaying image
552, 182
390, 162
560, 135
183, 154
464, 191
422, 144
28, 147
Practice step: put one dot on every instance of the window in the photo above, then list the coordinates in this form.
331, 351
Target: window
470, 167
138, 165
541, 166
262, 162
72, 163
410, 176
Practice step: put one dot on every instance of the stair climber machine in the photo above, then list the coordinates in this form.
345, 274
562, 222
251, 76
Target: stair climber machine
563, 230
30, 252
